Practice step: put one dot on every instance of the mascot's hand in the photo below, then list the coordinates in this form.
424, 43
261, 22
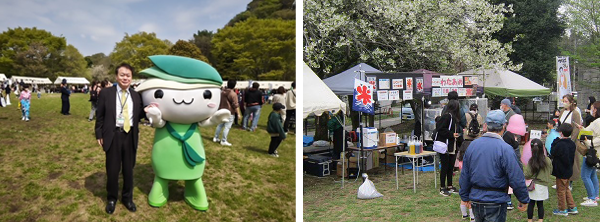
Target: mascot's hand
155, 116
221, 116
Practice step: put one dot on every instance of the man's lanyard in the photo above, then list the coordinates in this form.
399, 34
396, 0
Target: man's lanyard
120, 101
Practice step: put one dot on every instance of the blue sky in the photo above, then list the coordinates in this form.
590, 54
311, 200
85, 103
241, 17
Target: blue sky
96, 26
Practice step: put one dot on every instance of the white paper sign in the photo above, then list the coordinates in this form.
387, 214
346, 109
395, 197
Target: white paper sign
397, 83
475, 80
452, 81
409, 83
394, 95
535, 134
382, 95
436, 92
436, 82
419, 82
372, 82
407, 95
462, 91
384, 83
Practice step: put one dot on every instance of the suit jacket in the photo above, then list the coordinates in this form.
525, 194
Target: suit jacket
106, 116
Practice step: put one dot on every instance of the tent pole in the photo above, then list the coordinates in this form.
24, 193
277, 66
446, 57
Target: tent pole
344, 152
362, 145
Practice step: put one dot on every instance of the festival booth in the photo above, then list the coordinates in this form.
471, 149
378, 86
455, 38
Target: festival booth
31, 80
507, 83
72, 80
319, 99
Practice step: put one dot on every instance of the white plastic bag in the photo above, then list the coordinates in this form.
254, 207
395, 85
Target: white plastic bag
367, 189
321, 143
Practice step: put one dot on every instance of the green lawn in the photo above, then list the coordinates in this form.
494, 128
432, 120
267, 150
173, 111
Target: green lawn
53, 170
325, 200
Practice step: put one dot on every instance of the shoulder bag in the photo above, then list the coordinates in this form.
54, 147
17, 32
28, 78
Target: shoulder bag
439, 146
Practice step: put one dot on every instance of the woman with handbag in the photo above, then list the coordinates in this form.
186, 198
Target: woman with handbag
588, 173
447, 132
537, 170
570, 115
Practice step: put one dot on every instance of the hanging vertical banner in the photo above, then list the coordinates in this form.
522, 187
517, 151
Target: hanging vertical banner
397, 83
409, 83
564, 78
419, 83
384, 84
394, 95
407, 95
363, 97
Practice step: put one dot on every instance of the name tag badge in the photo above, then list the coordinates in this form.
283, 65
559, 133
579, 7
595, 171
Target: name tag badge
120, 120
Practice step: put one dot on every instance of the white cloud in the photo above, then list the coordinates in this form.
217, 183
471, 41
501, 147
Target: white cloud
149, 27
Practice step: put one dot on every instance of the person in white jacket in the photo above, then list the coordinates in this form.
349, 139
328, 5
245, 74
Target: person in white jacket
588, 173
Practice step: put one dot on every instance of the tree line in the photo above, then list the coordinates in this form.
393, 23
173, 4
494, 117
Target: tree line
257, 44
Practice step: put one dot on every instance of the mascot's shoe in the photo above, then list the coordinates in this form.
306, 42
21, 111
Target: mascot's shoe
159, 193
195, 195
110, 206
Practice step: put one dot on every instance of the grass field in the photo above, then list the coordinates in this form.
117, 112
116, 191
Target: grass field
325, 200
53, 170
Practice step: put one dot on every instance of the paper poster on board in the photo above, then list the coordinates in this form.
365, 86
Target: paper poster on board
475, 80
382, 95
436, 92
469, 91
407, 95
452, 81
394, 95
462, 92
384, 84
397, 83
419, 85
445, 91
372, 82
436, 82
409, 83
468, 80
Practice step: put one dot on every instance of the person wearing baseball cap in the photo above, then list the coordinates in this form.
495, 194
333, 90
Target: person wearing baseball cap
505, 107
490, 166
275, 128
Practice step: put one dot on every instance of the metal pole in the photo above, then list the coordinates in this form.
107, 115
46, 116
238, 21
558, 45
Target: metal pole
362, 145
344, 151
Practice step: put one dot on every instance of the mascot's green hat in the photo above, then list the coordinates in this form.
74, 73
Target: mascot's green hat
183, 70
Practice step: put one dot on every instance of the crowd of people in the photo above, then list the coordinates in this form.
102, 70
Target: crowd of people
490, 146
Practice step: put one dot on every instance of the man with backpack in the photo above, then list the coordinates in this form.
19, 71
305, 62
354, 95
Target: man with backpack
474, 123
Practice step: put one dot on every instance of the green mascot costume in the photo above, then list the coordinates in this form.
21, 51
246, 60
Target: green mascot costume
181, 95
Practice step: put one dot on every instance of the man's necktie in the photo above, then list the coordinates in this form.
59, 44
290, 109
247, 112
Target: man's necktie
126, 125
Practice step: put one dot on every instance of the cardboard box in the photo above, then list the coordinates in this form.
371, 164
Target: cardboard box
339, 170
387, 139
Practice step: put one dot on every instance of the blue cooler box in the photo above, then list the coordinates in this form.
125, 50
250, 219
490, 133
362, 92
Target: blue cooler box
318, 165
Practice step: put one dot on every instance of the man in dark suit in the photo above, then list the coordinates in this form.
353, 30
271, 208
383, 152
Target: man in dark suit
118, 114
65, 93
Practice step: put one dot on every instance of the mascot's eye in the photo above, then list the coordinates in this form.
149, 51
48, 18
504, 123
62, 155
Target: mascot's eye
158, 94
207, 94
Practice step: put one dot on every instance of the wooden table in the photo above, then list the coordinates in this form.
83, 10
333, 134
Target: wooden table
414, 160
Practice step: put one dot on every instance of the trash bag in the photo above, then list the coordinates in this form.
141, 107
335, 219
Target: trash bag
367, 189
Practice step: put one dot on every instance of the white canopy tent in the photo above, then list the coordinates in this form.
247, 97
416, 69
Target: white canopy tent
343, 83
507, 83
317, 99
30, 80
243, 84
72, 80
3, 77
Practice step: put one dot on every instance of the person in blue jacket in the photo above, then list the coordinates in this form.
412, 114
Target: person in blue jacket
489, 167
